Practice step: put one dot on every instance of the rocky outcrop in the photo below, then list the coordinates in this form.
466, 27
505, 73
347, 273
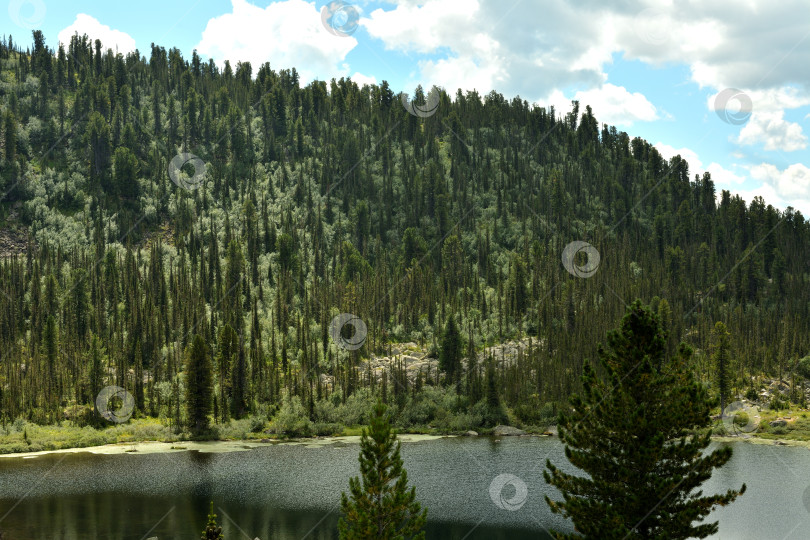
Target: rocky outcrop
507, 431
415, 359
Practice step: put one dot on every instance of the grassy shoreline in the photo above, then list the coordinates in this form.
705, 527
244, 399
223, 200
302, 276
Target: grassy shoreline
146, 435
27, 438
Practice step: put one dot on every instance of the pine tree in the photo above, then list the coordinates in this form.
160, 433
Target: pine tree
638, 434
722, 361
381, 507
96, 370
239, 384
198, 385
228, 344
450, 351
212, 531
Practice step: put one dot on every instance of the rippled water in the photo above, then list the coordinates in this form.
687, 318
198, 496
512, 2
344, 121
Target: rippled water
292, 492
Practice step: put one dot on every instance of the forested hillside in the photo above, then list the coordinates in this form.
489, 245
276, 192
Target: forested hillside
445, 228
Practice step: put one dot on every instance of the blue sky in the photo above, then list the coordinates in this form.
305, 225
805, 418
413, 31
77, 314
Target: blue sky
659, 70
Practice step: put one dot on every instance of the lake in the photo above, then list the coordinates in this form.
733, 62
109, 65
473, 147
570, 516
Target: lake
471, 486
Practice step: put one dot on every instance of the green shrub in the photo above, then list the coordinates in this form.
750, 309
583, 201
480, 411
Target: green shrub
533, 412
257, 423
327, 429
292, 419
751, 394
803, 368
491, 417
777, 404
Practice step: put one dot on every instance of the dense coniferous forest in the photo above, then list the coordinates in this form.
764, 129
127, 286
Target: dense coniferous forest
444, 229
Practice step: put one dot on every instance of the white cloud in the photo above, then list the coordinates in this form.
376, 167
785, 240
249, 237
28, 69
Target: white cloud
572, 42
110, 39
772, 130
724, 45
485, 45
767, 124
790, 183
361, 79
424, 28
611, 104
722, 177
287, 34
668, 152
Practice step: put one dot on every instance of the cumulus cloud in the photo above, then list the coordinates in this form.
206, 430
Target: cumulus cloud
773, 131
361, 79
668, 152
287, 34
486, 45
611, 104
722, 177
723, 45
781, 188
790, 183
110, 39
568, 44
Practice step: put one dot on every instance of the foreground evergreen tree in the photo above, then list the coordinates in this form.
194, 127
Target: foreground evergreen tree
198, 385
382, 507
639, 434
212, 531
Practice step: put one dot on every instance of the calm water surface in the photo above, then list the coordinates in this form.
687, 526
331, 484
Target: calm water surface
287, 492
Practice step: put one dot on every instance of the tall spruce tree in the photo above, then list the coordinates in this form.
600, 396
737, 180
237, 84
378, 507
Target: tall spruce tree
198, 385
639, 434
722, 361
381, 506
450, 351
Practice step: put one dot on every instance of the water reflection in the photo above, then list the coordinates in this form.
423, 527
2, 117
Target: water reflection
289, 492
